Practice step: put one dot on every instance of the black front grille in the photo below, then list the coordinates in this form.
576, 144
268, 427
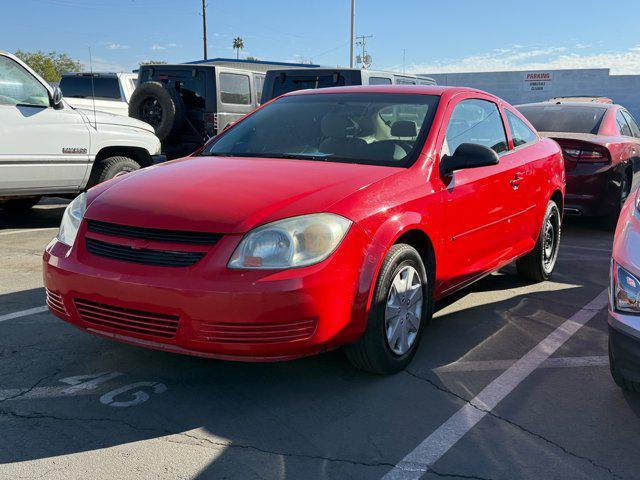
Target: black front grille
154, 234
161, 258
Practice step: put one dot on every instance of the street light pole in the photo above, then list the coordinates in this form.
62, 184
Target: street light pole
353, 16
204, 28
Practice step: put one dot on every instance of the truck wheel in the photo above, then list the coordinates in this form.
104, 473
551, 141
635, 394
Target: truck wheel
401, 307
111, 167
538, 264
19, 205
159, 106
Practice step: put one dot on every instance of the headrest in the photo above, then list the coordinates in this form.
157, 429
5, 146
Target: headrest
404, 128
334, 125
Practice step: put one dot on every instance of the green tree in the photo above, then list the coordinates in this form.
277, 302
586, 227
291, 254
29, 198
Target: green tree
49, 66
152, 62
238, 44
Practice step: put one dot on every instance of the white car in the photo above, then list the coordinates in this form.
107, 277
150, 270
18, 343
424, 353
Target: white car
110, 92
48, 147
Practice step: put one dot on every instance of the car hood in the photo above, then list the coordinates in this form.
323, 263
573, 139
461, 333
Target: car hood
229, 194
106, 118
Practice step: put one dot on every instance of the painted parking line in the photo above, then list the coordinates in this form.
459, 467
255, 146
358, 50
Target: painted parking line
493, 365
432, 448
27, 230
23, 313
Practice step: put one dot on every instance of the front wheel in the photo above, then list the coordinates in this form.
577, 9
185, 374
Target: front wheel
401, 307
538, 264
111, 167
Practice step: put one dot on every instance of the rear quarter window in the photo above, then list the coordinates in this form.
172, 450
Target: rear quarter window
235, 89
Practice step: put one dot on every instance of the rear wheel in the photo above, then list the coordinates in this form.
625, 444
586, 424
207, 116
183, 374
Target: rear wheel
19, 205
111, 167
538, 264
400, 309
611, 220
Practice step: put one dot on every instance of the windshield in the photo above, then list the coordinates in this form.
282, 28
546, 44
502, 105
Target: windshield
564, 118
368, 128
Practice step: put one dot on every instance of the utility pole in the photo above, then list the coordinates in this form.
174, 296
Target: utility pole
353, 18
365, 59
204, 28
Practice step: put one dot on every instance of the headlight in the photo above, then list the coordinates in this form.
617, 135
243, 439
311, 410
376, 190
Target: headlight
626, 290
71, 219
293, 242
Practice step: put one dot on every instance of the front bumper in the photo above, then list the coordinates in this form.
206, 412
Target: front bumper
207, 309
625, 349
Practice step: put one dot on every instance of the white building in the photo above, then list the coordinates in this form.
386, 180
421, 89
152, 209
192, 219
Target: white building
535, 86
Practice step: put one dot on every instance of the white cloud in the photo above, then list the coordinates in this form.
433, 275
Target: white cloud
116, 46
534, 58
157, 46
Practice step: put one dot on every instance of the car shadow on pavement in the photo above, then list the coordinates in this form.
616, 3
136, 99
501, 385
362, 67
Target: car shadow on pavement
47, 214
311, 418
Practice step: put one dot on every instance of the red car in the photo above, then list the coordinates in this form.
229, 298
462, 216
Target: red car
326, 218
600, 143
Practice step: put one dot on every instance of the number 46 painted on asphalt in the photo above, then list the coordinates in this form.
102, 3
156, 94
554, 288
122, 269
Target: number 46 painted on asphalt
136, 394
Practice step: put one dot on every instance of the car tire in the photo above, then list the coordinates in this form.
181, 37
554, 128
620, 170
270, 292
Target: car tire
538, 264
19, 205
111, 167
375, 352
610, 221
618, 377
159, 106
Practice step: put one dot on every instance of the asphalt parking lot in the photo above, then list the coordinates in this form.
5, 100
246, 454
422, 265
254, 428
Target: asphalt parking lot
511, 381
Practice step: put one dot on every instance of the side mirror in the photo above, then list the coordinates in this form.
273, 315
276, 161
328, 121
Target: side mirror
56, 99
468, 155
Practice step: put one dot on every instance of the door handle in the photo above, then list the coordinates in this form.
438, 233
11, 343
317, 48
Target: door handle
515, 181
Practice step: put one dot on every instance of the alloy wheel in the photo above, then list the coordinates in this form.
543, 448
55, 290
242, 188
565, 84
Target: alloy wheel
550, 241
403, 312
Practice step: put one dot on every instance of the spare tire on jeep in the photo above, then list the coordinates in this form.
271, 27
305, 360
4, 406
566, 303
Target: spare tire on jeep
159, 106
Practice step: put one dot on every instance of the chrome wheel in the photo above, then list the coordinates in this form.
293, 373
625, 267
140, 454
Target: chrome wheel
403, 312
550, 241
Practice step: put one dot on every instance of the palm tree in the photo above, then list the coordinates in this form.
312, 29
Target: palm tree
238, 44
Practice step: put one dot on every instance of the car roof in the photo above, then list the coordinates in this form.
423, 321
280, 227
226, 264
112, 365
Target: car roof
408, 89
604, 106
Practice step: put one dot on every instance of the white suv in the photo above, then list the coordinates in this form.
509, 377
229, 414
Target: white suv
48, 147
108, 92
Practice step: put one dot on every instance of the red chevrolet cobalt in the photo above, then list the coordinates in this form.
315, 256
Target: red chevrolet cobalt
326, 218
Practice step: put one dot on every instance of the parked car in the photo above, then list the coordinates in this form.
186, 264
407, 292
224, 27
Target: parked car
322, 219
601, 144
280, 81
48, 147
624, 299
190, 103
108, 92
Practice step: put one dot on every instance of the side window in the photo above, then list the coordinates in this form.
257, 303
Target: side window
632, 124
520, 131
622, 125
19, 87
405, 81
258, 85
476, 121
379, 81
234, 88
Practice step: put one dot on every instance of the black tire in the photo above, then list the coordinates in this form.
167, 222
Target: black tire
538, 264
372, 352
159, 106
610, 221
19, 205
111, 167
618, 377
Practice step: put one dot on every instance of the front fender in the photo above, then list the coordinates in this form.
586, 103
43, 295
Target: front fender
122, 136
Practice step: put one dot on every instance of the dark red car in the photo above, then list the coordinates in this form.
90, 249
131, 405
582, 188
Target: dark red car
600, 143
326, 218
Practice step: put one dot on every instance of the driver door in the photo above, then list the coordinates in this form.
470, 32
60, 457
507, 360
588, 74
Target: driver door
479, 203
42, 149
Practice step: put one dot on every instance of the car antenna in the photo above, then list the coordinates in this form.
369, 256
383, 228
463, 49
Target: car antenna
93, 90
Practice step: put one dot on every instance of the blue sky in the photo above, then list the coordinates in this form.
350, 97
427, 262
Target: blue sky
438, 36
